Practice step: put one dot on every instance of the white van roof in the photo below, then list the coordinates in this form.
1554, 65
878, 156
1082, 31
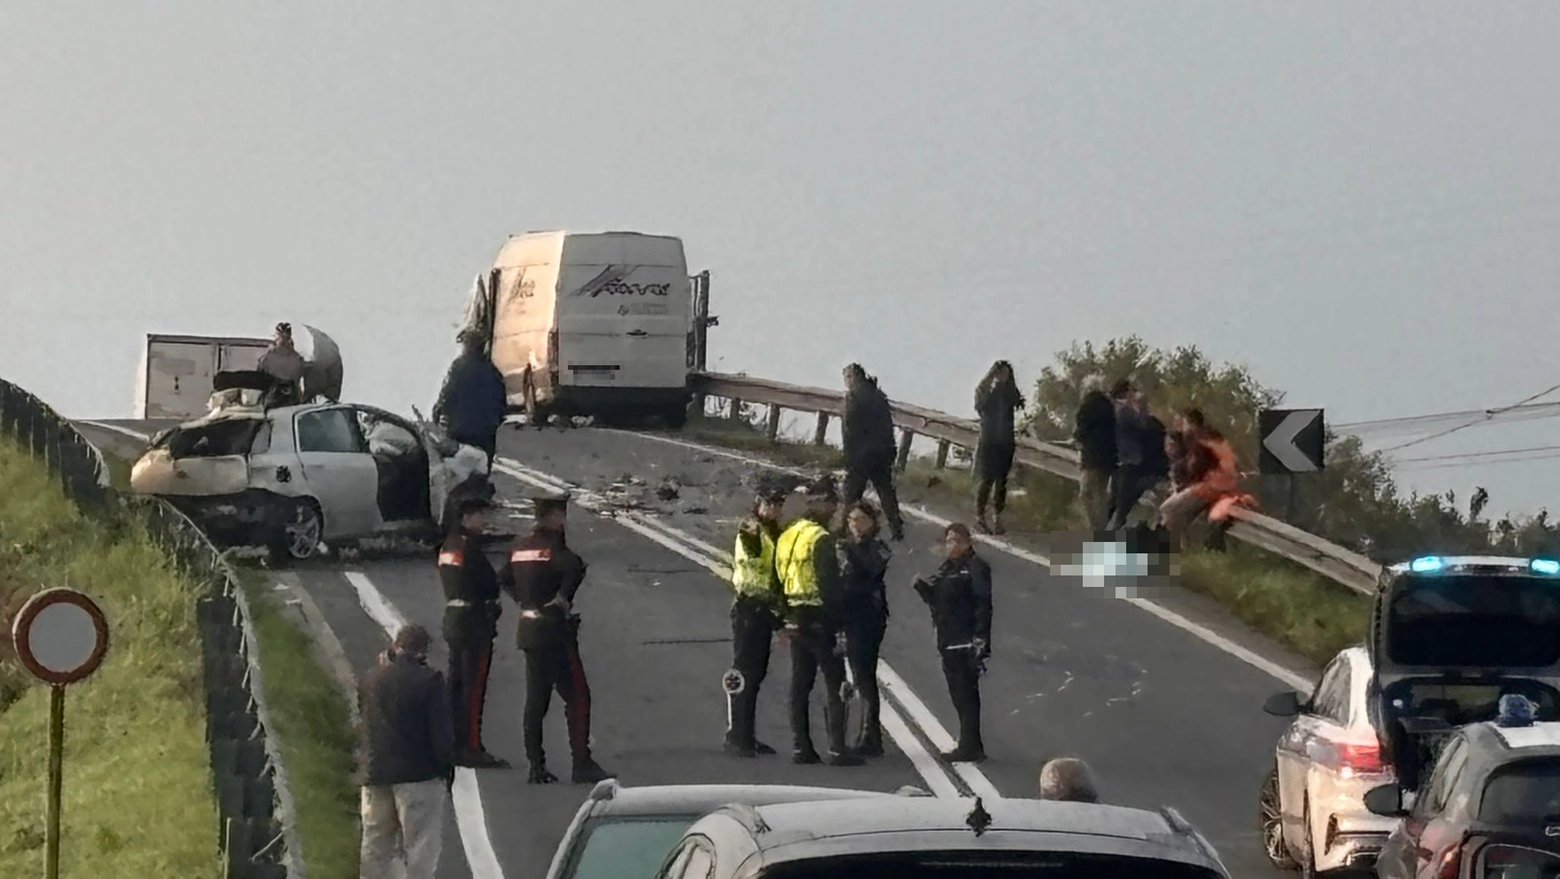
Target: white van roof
594, 232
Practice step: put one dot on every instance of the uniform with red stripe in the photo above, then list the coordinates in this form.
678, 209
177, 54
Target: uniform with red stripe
471, 614
543, 575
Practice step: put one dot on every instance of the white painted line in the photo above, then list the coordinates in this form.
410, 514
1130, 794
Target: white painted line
1203, 633
124, 431
693, 549
465, 795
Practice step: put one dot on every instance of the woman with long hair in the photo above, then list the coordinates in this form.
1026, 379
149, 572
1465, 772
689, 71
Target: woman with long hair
864, 611
997, 400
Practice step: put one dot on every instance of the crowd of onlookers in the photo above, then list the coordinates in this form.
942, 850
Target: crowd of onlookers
1126, 451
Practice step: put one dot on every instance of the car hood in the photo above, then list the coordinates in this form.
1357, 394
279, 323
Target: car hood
159, 473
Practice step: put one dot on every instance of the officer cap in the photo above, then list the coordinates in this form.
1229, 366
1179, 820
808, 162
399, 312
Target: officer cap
550, 502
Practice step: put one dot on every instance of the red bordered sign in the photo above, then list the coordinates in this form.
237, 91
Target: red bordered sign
61, 636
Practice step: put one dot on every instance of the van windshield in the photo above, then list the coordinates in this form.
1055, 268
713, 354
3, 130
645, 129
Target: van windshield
979, 865
1488, 620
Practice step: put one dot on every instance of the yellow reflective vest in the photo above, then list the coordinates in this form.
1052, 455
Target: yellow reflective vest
751, 574
795, 564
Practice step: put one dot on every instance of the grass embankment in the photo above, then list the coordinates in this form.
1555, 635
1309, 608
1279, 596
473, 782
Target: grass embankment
1283, 601
138, 795
312, 723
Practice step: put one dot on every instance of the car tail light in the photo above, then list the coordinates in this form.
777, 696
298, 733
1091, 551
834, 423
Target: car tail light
1350, 759
1451, 860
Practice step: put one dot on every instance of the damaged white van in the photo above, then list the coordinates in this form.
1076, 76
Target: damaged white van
589, 324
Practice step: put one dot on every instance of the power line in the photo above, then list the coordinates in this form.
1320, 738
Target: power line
1487, 416
1472, 456
1525, 412
1458, 465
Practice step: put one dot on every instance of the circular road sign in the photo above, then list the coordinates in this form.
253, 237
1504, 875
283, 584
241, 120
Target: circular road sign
60, 636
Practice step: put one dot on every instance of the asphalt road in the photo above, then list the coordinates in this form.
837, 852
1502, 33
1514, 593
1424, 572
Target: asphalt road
1165, 717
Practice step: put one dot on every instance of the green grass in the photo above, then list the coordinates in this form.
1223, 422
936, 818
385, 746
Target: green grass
312, 722
1279, 599
138, 790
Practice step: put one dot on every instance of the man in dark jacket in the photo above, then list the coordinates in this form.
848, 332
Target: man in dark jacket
1095, 432
863, 565
542, 577
959, 596
471, 611
472, 401
867, 432
407, 754
1149, 464
997, 400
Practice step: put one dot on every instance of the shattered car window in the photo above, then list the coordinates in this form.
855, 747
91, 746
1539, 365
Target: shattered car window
329, 430
215, 439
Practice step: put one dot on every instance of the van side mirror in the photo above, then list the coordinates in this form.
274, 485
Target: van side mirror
1385, 800
1285, 704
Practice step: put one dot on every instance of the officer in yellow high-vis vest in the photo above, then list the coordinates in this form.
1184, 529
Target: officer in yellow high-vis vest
809, 575
755, 614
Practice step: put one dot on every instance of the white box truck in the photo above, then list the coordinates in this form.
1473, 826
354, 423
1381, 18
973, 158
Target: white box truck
590, 323
175, 375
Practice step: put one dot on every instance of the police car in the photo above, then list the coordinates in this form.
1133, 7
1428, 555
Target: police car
1490, 807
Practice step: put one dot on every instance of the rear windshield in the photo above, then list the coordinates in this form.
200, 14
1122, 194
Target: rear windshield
1009, 864
1523, 793
212, 440
628, 848
1475, 619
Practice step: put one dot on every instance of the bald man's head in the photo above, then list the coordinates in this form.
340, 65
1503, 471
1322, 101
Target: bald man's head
1068, 779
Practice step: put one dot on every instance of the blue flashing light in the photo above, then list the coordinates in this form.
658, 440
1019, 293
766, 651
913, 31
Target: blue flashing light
1515, 710
1426, 564
1544, 566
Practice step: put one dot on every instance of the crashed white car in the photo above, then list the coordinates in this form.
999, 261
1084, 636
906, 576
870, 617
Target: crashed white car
293, 477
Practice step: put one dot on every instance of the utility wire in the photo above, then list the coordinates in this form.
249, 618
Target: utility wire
1487, 416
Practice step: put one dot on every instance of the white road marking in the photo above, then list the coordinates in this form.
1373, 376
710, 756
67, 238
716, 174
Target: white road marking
1293, 679
701, 553
465, 795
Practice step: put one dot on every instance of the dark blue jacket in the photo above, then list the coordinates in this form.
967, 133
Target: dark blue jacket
407, 733
472, 398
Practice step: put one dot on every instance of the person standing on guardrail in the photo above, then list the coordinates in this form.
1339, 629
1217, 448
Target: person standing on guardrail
867, 431
864, 561
806, 561
471, 612
1095, 432
997, 400
472, 401
959, 596
407, 755
755, 611
543, 576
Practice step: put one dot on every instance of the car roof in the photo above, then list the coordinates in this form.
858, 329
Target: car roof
612, 799
921, 822
1535, 740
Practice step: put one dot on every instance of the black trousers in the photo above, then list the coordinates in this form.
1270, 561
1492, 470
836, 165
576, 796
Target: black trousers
1128, 485
812, 650
557, 667
963, 678
470, 660
993, 463
752, 633
880, 473
863, 643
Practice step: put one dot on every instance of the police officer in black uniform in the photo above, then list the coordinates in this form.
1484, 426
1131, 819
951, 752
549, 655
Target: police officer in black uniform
471, 611
959, 596
755, 614
543, 576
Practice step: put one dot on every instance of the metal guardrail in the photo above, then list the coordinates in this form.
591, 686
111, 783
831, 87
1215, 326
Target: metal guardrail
1341, 565
257, 831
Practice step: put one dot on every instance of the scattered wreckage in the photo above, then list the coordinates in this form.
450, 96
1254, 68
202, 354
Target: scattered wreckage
293, 477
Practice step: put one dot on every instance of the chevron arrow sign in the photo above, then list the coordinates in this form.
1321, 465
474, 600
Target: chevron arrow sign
1292, 440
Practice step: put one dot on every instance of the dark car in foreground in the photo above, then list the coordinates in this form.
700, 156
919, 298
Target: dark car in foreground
944, 838
625, 832
1490, 808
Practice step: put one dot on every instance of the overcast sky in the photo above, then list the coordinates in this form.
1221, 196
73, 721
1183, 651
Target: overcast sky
1359, 200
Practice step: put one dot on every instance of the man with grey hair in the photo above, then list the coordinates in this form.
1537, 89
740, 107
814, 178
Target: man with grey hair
1068, 779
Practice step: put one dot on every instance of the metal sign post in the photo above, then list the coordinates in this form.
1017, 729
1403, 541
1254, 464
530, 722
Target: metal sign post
61, 636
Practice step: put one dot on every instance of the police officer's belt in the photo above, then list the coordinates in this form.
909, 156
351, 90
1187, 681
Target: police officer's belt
461, 602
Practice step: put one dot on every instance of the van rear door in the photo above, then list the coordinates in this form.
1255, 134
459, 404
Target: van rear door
623, 312
178, 378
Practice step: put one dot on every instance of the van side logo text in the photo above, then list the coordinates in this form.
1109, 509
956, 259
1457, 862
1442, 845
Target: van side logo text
610, 282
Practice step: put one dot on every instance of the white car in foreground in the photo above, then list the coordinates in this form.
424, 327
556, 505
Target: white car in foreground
1313, 802
294, 477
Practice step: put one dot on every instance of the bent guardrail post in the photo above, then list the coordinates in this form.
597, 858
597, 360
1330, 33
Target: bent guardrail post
1336, 563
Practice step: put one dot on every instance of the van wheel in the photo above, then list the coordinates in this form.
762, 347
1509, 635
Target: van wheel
299, 536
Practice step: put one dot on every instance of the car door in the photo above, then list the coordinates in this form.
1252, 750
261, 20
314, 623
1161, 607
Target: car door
1404, 854
1296, 746
338, 470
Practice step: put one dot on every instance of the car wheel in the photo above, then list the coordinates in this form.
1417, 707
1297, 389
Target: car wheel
299, 537
1272, 815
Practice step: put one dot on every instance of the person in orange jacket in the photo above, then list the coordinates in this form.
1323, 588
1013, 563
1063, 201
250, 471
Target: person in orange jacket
1211, 474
